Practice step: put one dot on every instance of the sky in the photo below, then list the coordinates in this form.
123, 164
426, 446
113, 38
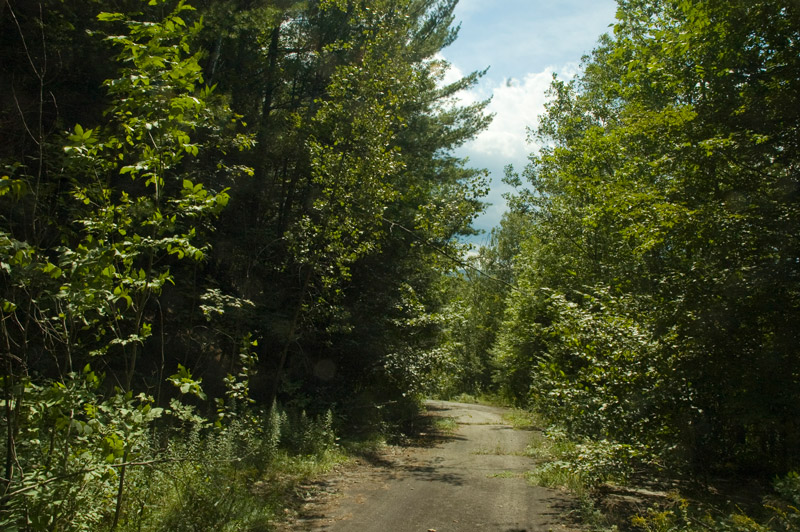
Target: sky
523, 42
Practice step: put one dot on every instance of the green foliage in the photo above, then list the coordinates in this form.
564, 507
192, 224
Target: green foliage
788, 488
70, 440
305, 436
71, 445
551, 452
194, 233
580, 467
230, 479
596, 367
238, 387
333, 241
477, 303
784, 509
522, 419
73, 449
779, 514
184, 382
656, 279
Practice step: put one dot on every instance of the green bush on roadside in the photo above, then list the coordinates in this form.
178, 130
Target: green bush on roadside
581, 468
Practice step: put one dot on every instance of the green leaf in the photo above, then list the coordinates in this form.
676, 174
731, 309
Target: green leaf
108, 17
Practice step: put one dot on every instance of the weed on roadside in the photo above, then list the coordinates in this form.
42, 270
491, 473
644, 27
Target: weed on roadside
523, 419
238, 477
598, 473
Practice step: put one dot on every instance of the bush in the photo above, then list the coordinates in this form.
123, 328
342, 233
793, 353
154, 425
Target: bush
780, 513
233, 477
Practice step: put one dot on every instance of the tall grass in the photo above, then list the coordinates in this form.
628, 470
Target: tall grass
234, 478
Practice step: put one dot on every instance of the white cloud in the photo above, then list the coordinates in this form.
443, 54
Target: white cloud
516, 106
524, 42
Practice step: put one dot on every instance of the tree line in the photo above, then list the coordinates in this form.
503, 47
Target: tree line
652, 245
209, 208
229, 226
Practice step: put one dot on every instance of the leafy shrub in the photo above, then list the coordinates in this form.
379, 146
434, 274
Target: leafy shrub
603, 461
71, 449
780, 514
788, 488
785, 508
580, 466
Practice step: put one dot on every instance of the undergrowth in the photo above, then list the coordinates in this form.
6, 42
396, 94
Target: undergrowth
236, 479
522, 419
586, 468
85, 461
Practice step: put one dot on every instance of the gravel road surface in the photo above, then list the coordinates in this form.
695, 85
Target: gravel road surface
472, 480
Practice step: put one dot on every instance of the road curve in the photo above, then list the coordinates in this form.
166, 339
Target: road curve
472, 481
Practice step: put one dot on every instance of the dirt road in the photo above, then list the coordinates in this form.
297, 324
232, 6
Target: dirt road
472, 480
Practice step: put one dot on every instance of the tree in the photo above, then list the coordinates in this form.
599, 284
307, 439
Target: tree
355, 135
274, 234
665, 204
132, 206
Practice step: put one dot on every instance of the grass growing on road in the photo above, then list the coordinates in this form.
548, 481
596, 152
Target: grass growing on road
447, 425
497, 450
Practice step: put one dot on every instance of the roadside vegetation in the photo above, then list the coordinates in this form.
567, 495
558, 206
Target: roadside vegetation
223, 230
240, 478
230, 255
642, 292
617, 492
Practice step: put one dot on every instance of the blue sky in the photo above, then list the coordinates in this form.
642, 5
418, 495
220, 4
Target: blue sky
523, 42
